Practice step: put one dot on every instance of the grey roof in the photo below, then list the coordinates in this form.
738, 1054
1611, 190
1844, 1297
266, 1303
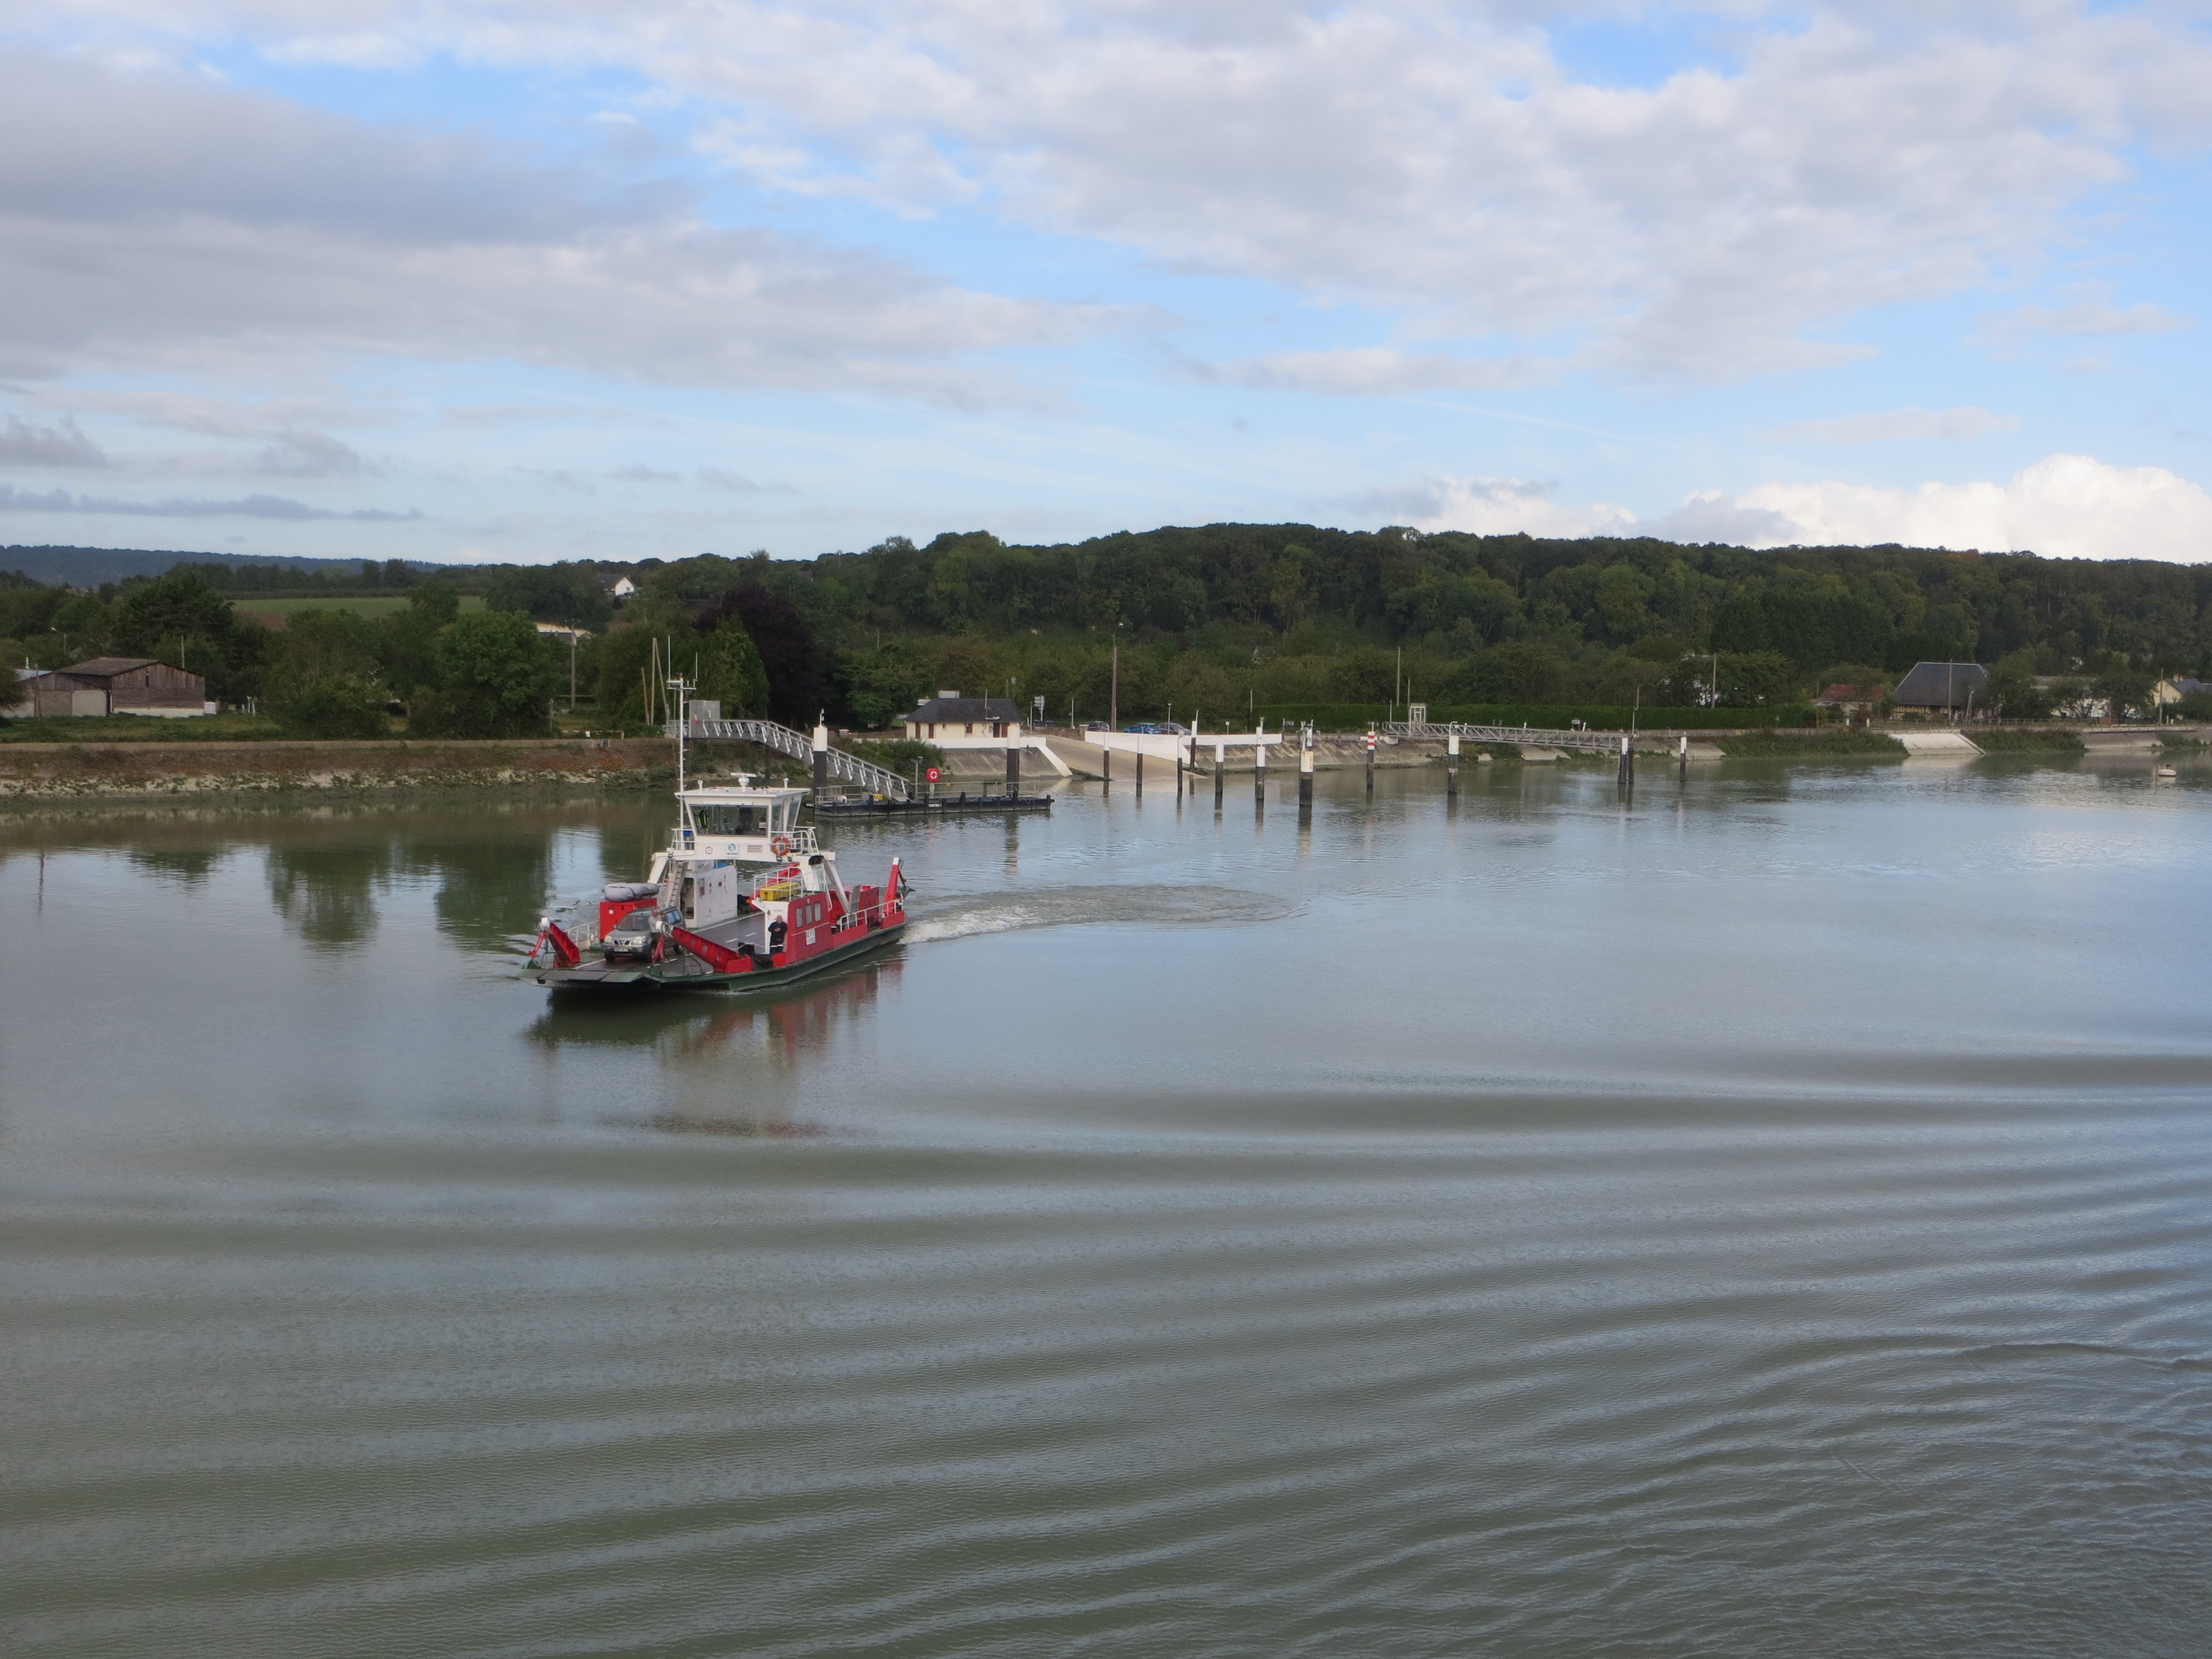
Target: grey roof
1941, 684
955, 711
95, 668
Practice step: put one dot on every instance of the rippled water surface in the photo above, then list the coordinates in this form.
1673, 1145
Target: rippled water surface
1771, 1217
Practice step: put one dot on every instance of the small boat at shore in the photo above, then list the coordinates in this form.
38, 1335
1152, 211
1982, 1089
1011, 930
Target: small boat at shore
743, 897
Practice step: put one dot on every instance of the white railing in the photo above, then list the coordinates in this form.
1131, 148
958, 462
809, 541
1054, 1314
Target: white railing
847, 769
1597, 743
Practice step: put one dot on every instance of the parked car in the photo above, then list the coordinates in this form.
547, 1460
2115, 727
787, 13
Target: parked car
1093, 726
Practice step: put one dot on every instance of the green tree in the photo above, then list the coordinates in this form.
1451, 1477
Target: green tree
568, 594
2125, 686
495, 679
730, 670
407, 640
181, 605
324, 681
336, 706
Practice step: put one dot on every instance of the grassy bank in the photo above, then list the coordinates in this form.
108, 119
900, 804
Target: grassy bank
141, 728
1811, 745
2000, 742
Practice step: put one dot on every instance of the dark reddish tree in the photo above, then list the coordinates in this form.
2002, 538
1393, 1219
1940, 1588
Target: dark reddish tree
789, 653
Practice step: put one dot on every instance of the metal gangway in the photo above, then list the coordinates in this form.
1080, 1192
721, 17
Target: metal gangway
848, 769
1534, 736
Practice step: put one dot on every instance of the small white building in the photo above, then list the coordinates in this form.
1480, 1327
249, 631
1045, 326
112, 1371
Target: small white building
622, 589
952, 722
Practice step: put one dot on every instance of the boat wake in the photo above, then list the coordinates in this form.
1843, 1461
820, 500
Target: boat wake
966, 915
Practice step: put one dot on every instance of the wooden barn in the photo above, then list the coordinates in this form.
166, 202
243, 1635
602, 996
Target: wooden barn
115, 685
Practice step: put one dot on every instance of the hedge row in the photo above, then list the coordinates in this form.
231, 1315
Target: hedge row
1355, 716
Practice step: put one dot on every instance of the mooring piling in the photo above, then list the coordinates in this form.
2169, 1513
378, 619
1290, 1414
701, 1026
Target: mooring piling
1371, 764
1451, 765
1013, 770
1626, 775
1220, 751
1305, 772
821, 758
1260, 769
1683, 757
1141, 775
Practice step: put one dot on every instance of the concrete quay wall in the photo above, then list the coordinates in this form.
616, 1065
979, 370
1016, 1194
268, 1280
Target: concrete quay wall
56, 771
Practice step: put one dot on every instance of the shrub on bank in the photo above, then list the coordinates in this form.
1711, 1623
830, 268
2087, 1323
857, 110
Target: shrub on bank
339, 707
2001, 742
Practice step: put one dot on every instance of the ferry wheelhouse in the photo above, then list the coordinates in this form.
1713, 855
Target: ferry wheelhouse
743, 897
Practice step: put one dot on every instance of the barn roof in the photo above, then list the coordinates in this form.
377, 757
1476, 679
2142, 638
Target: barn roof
1940, 684
105, 667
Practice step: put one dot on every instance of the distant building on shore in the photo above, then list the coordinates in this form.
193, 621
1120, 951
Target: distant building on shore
950, 719
1856, 703
115, 685
1942, 690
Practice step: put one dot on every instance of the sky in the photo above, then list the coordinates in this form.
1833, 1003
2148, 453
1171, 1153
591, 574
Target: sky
529, 280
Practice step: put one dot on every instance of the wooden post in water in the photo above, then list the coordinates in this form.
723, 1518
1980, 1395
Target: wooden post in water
1141, 775
1451, 765
1106, 767
821, 758
1370, 765
1683, 753
1220, 753
1013, 771
1259, 768
1305, 772
1626, 774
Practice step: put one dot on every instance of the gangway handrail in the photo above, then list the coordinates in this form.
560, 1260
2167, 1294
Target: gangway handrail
848, 769
1601, 743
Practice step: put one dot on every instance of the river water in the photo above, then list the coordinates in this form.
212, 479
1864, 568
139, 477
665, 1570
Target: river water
1772, 1216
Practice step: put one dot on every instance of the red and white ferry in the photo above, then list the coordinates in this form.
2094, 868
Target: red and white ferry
743, 897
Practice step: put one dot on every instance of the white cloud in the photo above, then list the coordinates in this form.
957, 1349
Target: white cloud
2068, 507
1491, 507
1437, 160
1371, 371
1898, 425
2087, 317
2063, 506
247, 506
151, 222
63, 444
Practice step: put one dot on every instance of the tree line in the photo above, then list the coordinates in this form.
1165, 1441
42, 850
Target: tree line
1221, 622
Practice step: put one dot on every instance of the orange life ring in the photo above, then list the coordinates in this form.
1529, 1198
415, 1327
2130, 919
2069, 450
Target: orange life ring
779, 844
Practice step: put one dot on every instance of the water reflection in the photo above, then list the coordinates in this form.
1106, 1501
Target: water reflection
491, 890
329, 890
714, 1063
184, 866
688, 1026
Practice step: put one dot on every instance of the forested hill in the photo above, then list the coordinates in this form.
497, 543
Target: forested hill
95, 567
1248, 615
1890, 605
1228, 617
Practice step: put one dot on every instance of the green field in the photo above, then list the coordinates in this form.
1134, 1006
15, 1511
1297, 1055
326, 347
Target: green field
381, 604
140, 728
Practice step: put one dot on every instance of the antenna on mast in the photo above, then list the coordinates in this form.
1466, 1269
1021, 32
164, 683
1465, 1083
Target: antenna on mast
679, 691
